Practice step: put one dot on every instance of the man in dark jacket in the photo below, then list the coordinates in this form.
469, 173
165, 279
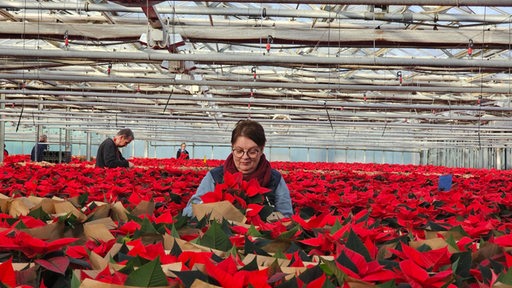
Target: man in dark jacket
108, 153
37, 151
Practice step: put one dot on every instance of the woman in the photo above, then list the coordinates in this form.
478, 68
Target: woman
247, 143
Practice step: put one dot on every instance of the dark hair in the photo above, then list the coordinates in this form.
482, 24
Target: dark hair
250, 129
126, 132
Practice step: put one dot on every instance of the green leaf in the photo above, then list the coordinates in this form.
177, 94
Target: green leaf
20, 226
215, 238
289, 234
306, 212
292, 283
137, 262
75, 281
226, 227
204, 221
148, 275
146, 228
175, 250
274, 268
175, 198
255, 247
364, 218
180, 221
82, 199
337, 226
127, 269
461, 264
330, 269
134, 218
265, 212
233, 252
251, 266
311, 274
40, 214
506, 278
328, 284
280, 255
451, 241
69, 220
174, 232
253, 231
122, 254
188, 277
355, 244
344, 260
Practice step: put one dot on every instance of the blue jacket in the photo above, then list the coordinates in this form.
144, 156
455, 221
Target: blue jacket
279, 197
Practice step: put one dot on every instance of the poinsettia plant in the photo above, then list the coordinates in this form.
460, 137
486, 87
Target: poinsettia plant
355, 225
248, 196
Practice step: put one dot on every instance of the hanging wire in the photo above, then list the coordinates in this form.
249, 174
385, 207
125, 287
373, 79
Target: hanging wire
168, 99
481, 83
19, 118
330, 70
328, 116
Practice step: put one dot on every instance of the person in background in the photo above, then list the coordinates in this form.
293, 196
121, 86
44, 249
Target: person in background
182, 152
108, 153
247, 144
6, 153
38, 150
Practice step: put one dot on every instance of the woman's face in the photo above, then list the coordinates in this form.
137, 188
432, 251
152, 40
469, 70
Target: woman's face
246, 154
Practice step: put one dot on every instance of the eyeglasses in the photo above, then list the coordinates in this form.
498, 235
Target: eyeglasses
251, 153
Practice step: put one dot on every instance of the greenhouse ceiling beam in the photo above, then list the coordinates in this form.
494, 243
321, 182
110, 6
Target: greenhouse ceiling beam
255, 84
408, 17
251, 59
327, 124
335, 114
283, 36
456, 3
319, 104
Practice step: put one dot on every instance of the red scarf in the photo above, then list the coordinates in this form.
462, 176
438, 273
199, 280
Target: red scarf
262, 171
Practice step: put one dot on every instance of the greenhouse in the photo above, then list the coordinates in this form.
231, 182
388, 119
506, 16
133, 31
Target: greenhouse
384, 161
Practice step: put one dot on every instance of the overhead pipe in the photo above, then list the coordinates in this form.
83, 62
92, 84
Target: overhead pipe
320, 104
255, 84
265, 111
133, 116
304, 126
362, 115
251, 59
184, 22
456, 3
112, 7
269, 12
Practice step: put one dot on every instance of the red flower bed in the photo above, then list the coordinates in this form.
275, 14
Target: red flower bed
355, 225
